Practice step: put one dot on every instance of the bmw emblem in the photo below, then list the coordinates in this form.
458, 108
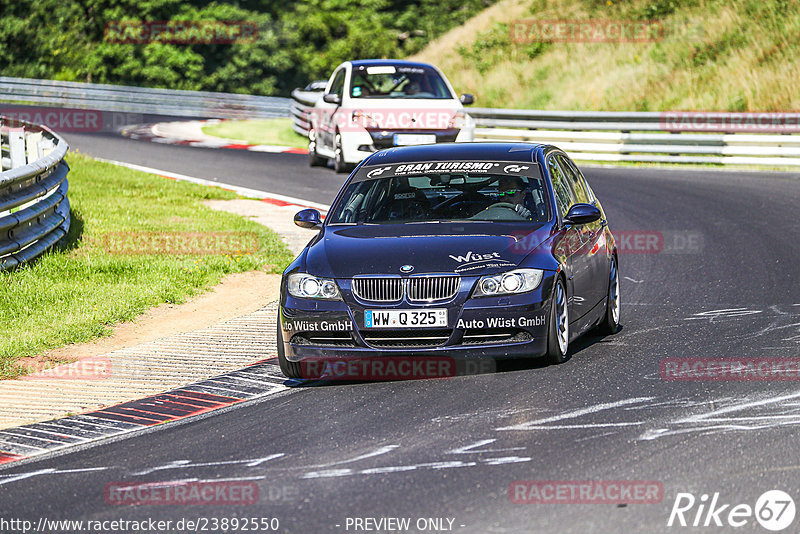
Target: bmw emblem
406, 268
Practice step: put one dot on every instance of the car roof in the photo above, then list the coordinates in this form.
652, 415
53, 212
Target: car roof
485, 151
395, 62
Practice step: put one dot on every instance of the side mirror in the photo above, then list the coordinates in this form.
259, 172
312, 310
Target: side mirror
309, 218
582, 214
467, 99
332, 98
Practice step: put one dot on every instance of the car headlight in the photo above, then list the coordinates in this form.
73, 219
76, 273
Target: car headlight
512, 282
363, 119
306, 286
457, 120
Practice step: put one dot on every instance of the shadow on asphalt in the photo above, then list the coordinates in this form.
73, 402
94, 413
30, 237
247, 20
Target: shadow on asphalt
479, 367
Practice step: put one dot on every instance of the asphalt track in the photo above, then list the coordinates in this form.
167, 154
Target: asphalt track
450, 448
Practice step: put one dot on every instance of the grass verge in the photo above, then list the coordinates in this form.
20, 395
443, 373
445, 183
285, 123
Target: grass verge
713, 55
259, 132
75, 293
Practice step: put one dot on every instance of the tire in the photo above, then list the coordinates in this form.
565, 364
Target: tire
314, 159
558, 330
290, 369
609, 324
339, 165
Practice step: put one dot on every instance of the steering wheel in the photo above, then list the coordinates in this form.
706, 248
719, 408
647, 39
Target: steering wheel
416, 210
508, 205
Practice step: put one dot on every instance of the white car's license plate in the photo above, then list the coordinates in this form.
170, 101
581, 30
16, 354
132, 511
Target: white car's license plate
436, 318
414, 139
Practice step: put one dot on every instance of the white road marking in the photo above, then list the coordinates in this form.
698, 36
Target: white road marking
264, 460
595, 436
586, 426
737, 408
450, 464
50, 471
328, 473
711, 421
469, 449
377, 452
23, 476
507, 460
714, 315
632, 280
530, 425
243, 191
186, 464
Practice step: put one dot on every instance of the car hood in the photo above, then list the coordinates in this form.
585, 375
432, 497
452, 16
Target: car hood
465, 248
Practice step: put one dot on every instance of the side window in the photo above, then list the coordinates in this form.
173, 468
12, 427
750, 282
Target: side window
561, 186
337, 87
575, 179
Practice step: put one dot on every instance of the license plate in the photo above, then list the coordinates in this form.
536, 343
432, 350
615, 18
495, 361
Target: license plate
414, 139
436, 318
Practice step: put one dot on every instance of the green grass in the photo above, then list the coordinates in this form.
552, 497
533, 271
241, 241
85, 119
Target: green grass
75, 293
714, 55
259, 132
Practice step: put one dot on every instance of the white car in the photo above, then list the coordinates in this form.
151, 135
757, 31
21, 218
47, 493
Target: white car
373, 104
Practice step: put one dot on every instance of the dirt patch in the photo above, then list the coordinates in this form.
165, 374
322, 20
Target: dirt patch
238, 294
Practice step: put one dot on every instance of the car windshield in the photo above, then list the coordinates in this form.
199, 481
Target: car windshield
388, 81
439, 197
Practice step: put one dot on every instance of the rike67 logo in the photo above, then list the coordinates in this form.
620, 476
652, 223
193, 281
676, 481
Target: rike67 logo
774, 510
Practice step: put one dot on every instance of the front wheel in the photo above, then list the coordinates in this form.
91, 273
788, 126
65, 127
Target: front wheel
290, 369
610, 322
558, 332
339, 165
314, 159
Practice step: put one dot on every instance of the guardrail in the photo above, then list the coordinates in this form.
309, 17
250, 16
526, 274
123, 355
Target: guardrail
128, 99
643, 136
617, 136
34, 209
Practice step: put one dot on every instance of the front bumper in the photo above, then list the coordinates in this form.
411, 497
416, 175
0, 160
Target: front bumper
495, 328
357, 145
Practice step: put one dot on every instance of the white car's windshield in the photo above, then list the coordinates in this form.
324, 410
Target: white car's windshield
401, 81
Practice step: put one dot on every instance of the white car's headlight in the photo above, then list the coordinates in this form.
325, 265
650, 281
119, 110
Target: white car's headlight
457, 120
364, 119
512, 282
306, 286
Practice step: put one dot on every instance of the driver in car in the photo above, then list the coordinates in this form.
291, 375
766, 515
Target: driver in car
511, 204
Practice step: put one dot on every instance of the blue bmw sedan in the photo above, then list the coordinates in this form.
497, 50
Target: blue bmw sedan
476, 250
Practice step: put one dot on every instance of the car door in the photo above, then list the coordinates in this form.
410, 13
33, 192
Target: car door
594, 234
326, 112
573, 242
